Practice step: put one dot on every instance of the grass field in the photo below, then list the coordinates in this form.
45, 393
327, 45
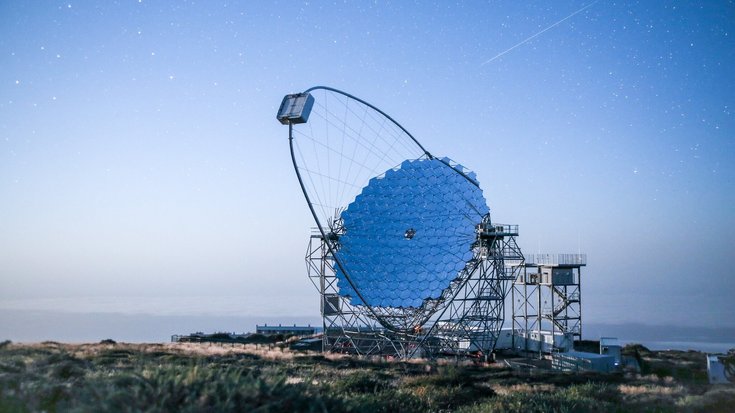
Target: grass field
111, 377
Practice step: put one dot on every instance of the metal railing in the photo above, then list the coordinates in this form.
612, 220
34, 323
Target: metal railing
556, 259
487, 228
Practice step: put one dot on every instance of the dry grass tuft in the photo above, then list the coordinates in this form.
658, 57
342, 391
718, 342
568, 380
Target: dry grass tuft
215, 349
294, 380
715, 399
336, 356
650, 390
526, 388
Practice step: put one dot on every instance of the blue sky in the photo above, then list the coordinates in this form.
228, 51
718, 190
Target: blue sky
140, 155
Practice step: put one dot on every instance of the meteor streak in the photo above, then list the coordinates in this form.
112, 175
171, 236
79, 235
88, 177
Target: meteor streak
542, 31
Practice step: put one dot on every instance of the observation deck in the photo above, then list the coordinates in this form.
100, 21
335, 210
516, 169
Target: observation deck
316, 234
489, 230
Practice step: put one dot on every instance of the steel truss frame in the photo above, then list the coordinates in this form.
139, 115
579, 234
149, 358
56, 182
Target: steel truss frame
465, 320
542, 305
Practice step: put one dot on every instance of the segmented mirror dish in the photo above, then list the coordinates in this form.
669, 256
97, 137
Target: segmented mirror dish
408, 234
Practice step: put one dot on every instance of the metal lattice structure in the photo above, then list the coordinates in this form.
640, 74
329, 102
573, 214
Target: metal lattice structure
405, 257
475, 314
547, 302
471, 311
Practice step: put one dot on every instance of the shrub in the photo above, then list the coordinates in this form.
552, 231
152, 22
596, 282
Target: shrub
362, 382
717, 399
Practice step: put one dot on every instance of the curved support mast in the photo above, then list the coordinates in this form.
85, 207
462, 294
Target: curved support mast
321, 229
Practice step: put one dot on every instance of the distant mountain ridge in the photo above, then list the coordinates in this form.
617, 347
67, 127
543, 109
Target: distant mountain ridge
645, 332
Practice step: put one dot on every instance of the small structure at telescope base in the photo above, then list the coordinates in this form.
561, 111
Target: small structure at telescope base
611, 346
293, 330
721, 368
580, 361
